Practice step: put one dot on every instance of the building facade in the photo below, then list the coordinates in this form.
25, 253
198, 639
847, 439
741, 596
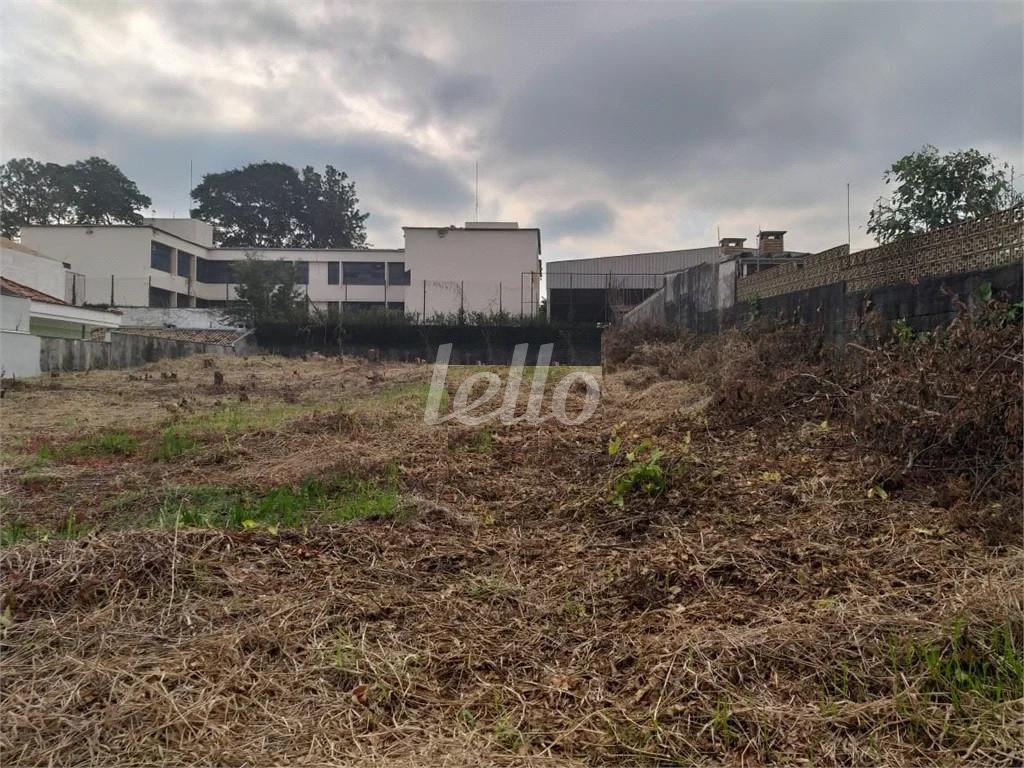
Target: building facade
483, 267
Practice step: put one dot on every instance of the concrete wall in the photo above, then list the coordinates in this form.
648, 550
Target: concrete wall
843, 314
19, 349
122, 351
174, 317
35, 270
19, 355
489, 345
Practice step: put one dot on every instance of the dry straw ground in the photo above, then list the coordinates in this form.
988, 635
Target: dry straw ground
740, 560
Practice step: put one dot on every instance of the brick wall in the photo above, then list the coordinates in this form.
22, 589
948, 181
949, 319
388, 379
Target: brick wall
973, 245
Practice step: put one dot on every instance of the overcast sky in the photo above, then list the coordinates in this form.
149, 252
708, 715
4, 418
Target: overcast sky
614, 128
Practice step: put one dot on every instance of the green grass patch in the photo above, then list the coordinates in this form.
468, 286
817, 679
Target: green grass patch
334, 500
13, 533
989, 665
18, 531
174, 443
109, 444
240, 418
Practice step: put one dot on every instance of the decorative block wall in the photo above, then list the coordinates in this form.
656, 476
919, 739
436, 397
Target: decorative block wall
973, 245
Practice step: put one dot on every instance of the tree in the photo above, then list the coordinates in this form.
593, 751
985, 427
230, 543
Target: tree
269, 205
101, 194
333, 220
268, 291
92, 191
933, 190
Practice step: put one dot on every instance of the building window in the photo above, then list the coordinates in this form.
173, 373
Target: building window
158, 297
363, 272
209, 271
160, 256
302, 272
333, 272
184, 264
398, 274
333, 309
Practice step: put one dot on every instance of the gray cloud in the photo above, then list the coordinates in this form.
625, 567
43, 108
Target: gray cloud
588, 217
613, 126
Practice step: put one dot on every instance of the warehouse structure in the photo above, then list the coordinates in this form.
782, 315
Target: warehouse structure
603, 289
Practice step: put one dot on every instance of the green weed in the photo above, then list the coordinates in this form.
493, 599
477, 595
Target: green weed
643, 472
110, 444
335, 500
174, 443
13, 533
964, 664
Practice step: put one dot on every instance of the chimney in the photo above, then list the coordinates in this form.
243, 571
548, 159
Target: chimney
731, 246
770, 242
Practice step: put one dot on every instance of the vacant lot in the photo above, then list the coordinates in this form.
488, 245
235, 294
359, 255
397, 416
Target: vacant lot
290, 567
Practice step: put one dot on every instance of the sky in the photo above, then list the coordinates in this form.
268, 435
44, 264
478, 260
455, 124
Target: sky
613, 127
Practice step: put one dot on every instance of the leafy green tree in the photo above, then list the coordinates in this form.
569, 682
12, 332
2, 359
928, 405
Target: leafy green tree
268, 291
91, 191
332, 217
269, 205
932, 190
101, 194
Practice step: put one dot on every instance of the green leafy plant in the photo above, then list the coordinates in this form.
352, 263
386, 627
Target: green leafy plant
643, 472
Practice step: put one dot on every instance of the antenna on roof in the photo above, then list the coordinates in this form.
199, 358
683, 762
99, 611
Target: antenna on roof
476, 195
189, 196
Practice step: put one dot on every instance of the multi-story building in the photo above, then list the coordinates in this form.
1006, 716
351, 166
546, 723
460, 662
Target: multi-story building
482, 267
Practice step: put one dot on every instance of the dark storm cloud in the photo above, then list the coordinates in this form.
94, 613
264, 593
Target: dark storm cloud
589, 217
754, 88
637, 125
387, 173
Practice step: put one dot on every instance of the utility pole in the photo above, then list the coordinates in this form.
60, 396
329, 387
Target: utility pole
849, 238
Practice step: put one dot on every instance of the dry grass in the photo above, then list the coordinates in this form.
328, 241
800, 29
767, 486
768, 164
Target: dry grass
768, 607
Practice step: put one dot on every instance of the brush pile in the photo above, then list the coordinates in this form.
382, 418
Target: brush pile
944, 403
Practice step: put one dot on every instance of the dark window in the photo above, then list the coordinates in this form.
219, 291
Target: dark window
183, 264
333, 308
160, 257
209, 271
158, 297
363, 272
302, 272
398, 274
333, 272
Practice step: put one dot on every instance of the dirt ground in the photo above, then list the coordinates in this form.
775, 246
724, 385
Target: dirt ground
291, 568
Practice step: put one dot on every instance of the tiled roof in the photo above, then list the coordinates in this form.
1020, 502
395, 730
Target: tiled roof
11, 288
198, 335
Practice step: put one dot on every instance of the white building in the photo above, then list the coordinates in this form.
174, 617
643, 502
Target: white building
33, 306
482, 267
